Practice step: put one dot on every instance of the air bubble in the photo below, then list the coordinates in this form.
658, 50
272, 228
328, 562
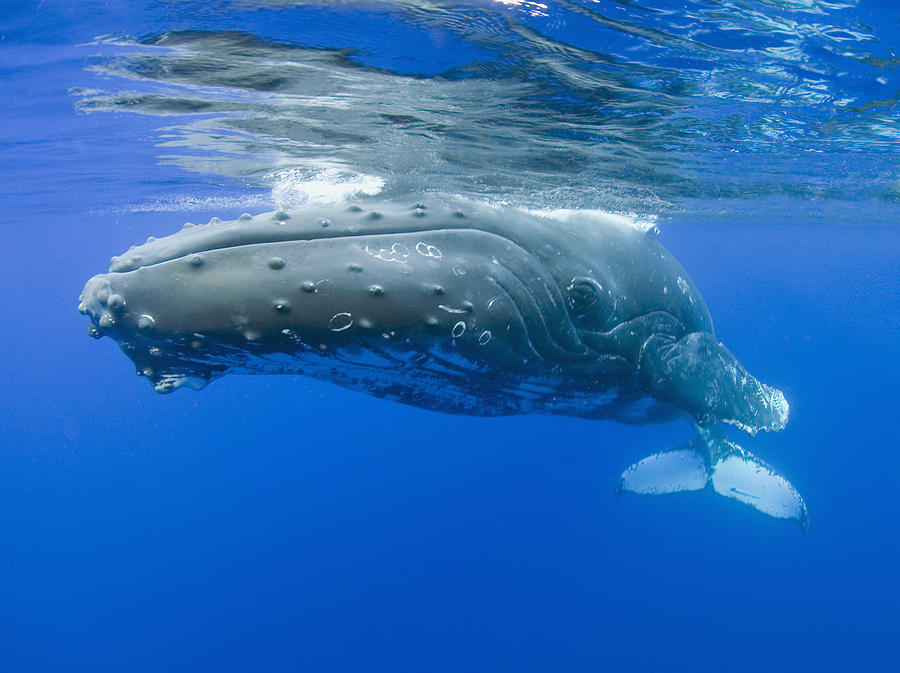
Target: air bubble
497, 305
340, 321
376, 290
325, 287
485, 337
458, 329
282, 306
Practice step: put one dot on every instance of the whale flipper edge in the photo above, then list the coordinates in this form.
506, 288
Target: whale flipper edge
713, 460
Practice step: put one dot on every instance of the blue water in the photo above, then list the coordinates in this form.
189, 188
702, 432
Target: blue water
281, 524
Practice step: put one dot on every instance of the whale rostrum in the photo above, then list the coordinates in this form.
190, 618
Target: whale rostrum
458, 307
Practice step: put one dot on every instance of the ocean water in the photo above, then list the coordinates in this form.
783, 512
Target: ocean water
277, 523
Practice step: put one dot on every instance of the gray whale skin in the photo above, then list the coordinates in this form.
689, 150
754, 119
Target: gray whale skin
457, 307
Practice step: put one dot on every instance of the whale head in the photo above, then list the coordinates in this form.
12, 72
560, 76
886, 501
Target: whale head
310, 291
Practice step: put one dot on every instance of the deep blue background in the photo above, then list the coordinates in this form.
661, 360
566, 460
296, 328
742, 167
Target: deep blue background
279, 524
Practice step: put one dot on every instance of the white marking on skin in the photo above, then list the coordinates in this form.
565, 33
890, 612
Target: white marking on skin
451, 309
428, 250
683, 286
396, 253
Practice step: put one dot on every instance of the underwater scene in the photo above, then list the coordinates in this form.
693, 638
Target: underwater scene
476, 336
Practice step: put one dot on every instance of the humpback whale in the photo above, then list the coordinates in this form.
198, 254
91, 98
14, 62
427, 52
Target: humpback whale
458, 307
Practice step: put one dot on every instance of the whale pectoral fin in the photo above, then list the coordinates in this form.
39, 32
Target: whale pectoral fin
738, 474
731, 470
701, 376
680, 469
749, 480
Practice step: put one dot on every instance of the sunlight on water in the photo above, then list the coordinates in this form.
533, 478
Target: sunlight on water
532, 8
803, 108
643, 223
190, 203
295, 186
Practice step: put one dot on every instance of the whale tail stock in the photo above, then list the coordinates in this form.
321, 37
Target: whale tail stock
713, 460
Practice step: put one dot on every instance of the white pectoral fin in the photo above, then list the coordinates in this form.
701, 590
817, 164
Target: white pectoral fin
742, 476
714, 459
665, 472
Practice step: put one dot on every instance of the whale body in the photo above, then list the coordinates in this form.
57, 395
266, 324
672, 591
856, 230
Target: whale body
457, 307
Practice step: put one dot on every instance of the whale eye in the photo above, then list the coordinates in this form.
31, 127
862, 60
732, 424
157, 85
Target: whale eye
584, 293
